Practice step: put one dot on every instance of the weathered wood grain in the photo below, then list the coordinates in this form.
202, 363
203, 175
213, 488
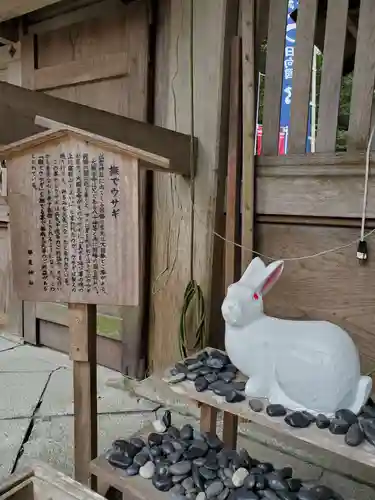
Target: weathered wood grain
248, 128
274, 77
363, 79
332, 287
233, 191
321, 185
171, 214
299, 110
334, 46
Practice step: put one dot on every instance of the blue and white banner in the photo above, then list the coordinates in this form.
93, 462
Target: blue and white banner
287, 88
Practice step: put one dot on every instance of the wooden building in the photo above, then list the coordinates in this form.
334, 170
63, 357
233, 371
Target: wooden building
131, 58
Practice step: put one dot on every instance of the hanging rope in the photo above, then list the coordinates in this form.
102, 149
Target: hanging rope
194, 304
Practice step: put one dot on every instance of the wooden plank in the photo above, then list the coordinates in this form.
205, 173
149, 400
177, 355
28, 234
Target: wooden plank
28, 104
324, 440
84, 70
248, 127
332, 287
274, 77
83, 353
299, 110
15, 8
208, 419
171, 234
317, 195
334, 47
230, 426
54, 336
97, 10
363, 79
134, 487
232, 226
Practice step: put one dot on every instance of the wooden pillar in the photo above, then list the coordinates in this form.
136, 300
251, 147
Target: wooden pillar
82, 323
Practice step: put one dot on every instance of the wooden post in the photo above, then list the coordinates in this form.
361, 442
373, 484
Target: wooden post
208, 419
82, 327
232, 227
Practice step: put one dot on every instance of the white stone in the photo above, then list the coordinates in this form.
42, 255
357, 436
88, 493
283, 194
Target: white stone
239, 477
159, 426
147, 470
283, 357
201, 496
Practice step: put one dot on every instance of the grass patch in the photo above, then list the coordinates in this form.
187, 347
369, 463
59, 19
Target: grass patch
109, 326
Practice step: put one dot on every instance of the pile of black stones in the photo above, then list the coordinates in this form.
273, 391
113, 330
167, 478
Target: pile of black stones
211, 370
191, 465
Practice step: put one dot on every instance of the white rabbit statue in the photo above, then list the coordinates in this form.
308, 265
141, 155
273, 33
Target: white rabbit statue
303, 365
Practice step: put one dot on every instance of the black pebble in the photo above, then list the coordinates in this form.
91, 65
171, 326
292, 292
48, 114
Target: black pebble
265, 467
167, 448
260, 483
239, 386
276, 410
192, 376
368, 427
175, 457
198, 449
250, 482
141, 459
201, 384
256, 405
307, 495
297, 419
270, 495
322, 422
243, 494
285, 472
276, 483
227, 376
245, 458
173, 432
162, 483
125, 447
167, 418
339, 426
231, 368
213, 441
368, 411
137, 442
311, 417
186, 432
211, 377
294, 484
118, 459
133, 470
324, 493
355, 435
347, 415
234, 397
220, 388
155, 439
207, 474
223, 459
162, 468
197, 478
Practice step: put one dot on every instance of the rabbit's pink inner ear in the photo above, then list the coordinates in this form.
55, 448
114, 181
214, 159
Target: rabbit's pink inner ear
271, 279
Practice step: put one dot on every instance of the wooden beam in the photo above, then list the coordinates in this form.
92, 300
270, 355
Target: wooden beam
78, 15
15, 8
20, 106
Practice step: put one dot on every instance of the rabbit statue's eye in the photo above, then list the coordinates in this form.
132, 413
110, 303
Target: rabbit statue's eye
255, 296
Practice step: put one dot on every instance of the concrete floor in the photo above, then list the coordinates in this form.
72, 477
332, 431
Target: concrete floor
36, 420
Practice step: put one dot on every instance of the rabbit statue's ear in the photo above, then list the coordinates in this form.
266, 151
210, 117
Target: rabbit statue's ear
254, 269
269, 277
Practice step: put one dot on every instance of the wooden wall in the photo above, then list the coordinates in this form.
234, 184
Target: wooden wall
101, 61
214, 20
310, 203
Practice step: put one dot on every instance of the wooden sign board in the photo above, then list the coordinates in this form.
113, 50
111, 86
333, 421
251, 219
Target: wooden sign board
74, 219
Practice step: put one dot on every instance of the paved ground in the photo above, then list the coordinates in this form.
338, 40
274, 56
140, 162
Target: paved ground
36, 420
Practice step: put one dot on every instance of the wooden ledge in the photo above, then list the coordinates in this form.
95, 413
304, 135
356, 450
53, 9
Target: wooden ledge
322, 439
